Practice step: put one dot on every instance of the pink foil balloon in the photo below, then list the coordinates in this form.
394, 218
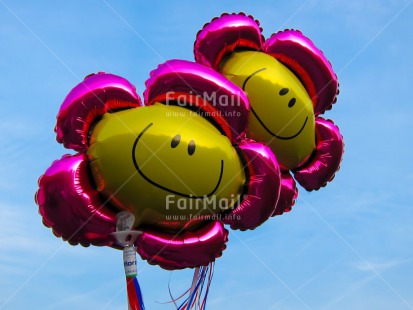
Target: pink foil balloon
185, 83
70, 204
263, 189
237, 32
96, 95
326, 158
299, 53
185, 250
225, 34
288, 194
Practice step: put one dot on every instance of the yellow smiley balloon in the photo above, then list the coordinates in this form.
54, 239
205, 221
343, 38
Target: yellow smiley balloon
166, 164
282, 114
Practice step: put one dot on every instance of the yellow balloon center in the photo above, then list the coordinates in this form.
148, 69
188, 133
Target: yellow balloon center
282, 114
166, 164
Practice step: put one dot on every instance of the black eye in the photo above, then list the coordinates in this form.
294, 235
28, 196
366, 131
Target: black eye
175, 141
191, 147
284, 91
291, 103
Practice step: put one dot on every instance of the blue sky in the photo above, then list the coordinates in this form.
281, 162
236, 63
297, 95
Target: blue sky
347, 246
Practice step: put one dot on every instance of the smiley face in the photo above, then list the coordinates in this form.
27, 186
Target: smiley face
142, 155
172, 162
282, 114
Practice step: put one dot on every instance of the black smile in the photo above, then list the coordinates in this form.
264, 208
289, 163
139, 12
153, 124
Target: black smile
163, 187
275, 135
261, 122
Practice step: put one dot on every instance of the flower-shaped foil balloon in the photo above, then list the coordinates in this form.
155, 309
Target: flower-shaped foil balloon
289, 83
180, 163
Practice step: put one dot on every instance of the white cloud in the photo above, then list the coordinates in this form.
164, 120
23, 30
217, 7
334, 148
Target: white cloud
378, 266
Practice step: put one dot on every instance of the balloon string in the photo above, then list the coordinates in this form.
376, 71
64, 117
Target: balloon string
194, 284
173, 300
211, 274
196, 299
134, 294
132, 298
138, 293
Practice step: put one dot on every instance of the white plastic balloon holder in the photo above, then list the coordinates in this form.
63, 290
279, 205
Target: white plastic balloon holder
124, 234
